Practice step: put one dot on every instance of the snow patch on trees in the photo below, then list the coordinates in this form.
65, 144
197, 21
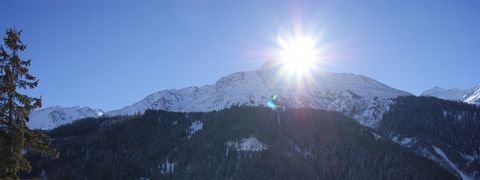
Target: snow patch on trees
306, 154
404, 141
194, 128
376, 136
246, 144
167, 167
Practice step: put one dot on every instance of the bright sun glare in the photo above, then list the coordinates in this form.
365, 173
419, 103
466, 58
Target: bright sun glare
299, 54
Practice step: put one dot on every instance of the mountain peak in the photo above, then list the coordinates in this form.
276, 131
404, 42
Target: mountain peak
471, 95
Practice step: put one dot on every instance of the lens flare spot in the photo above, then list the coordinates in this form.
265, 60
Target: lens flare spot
271, 105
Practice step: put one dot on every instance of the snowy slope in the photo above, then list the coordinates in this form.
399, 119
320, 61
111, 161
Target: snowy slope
356, 96
51, 117
474, 96
471, 96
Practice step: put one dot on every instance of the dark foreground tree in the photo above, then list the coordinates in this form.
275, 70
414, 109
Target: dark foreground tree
15, 137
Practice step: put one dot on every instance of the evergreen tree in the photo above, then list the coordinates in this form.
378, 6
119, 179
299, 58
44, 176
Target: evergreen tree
15, 137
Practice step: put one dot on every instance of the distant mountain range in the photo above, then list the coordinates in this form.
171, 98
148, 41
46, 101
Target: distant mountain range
330, 91
445, 132
202, 101
340, 92
471, 96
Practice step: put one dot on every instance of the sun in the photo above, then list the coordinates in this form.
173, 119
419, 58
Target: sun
299, 54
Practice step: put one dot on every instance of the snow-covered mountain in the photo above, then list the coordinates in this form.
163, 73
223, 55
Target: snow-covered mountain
51, 117
471, 95
356, 96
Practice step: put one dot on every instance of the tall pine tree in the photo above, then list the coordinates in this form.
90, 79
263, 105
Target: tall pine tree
15, 137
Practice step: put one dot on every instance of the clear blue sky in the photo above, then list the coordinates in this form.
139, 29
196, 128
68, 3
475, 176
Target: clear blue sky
109, 54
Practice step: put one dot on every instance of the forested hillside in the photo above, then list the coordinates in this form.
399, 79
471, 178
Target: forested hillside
235, 143
445, 131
